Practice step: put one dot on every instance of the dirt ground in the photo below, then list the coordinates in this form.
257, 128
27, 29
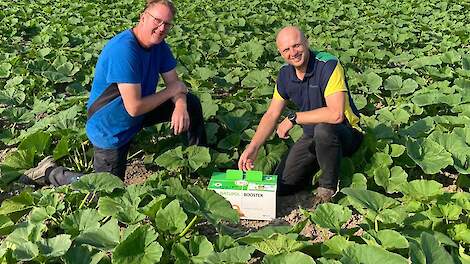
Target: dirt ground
288, 209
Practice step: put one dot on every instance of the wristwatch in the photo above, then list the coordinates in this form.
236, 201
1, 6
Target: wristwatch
292, 116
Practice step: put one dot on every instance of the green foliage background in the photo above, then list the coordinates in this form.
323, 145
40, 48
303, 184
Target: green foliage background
408, 68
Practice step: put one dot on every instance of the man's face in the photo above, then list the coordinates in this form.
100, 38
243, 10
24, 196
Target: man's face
293, 48
157, 22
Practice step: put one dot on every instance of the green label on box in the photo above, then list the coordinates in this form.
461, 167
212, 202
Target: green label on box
233, 180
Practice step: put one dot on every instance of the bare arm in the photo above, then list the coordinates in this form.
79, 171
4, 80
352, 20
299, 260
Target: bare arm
137, 105
332, 113
265, 129
172, 81
180, 117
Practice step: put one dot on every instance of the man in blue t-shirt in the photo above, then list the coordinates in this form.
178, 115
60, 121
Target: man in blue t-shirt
315, 83
123, 97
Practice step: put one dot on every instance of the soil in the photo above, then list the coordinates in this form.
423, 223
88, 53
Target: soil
288, 210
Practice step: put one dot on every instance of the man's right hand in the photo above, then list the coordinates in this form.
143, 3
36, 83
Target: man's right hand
247, 158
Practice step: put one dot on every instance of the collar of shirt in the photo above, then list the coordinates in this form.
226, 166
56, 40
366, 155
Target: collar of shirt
308, 73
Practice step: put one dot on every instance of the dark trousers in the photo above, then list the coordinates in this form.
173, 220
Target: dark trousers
324, 151
115, 160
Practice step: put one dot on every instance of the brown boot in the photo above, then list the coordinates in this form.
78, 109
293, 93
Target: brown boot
323, 195
38, 174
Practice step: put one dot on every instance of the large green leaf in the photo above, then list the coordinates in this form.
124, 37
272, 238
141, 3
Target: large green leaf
6, 225
5, 70
269, 157
20, 159
198, 157
331, 216
457, 146
39, 142
461, 232
277, 244
196, 251
22, 241
422, 190
378, 160
391, 239
429, 155
98, 182
419, 128
255, 78
393, 83
369, 199
213, 206
264, 233
124, 207
105, 237
365, 254
171, 218
373, 81
433, 251
140, 247
56, 246
80, 221
334, 246
236, 122
235, 255
204, 73
391, 179
171, 159
84, 255
230, 142
288, 257
18, 203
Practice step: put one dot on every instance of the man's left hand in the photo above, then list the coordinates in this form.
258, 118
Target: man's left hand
180, 119
284, 127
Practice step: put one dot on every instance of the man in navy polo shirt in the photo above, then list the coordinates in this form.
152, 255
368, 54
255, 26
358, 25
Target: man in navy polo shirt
315, 83
123, 97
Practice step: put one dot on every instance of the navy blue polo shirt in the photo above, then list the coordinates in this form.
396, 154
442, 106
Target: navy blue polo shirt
324, 77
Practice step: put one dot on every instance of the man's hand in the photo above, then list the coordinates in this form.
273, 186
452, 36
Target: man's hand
284, 127
247, 158
180, 119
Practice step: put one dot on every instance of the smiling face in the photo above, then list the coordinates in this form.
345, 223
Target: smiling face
293, 47
155, 23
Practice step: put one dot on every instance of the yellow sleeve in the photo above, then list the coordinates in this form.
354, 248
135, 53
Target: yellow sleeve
276, 94
336, 83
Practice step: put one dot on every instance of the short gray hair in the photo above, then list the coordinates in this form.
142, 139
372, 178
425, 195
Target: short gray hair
167, 3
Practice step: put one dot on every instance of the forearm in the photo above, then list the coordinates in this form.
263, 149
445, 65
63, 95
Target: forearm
148, 103
179, 100
320, 115
265, 129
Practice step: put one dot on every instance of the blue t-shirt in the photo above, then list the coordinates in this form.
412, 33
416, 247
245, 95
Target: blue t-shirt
123, 60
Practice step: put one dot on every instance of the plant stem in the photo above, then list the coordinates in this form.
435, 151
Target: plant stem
83, 201
193, 221
135, 154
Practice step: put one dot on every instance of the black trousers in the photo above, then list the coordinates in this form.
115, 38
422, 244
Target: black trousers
114, 161
324, 151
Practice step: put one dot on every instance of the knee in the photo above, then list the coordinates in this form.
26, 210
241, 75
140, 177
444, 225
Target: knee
324, 132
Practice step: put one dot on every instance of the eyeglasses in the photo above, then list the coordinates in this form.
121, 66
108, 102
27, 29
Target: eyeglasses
160, 22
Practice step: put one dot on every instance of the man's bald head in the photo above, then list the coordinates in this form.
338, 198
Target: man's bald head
290, 32
293, 47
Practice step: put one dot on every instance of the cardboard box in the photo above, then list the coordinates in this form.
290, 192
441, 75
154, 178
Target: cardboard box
251, 193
